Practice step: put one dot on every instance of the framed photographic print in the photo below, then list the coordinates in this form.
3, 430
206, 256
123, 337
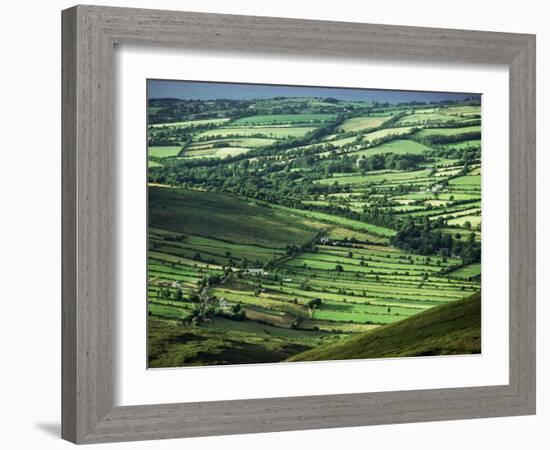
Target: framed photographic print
268, 222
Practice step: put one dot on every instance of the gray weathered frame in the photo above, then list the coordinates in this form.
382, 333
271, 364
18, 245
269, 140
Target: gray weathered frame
89, 36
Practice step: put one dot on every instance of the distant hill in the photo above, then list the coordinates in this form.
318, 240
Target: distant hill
450, 329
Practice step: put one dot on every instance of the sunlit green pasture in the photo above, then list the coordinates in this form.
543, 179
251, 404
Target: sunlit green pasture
363, 123
386, 132
284, 119
164, 152
190, 123
448, 131
269, 132
397, 146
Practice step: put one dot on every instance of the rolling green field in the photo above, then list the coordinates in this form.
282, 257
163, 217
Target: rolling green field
384, 132
362, 123
396, 146
214, 152
467, 272
423, 118
268, 132
305, 228
164, 152
449, 131
273, 119
190, 123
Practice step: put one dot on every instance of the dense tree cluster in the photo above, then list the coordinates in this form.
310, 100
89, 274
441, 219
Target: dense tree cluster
441, 139
165, 110
422, 239
391, 161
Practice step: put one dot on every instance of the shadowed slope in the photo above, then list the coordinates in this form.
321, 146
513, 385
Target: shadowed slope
451, 329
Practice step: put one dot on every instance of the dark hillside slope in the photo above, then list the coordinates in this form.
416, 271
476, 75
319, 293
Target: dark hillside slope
451, 329
221, 216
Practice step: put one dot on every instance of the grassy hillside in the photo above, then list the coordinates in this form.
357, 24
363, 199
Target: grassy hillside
224, 341
453, 328
221, 216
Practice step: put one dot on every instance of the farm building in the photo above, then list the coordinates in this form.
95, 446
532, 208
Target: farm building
256, 272
434, 188
224, 304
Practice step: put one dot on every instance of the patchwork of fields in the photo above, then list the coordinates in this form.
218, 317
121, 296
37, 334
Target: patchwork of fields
281, 226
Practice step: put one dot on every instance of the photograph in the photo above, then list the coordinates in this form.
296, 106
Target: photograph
293, 223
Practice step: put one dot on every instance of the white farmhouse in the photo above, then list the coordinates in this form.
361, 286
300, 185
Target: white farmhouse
256, 272
224, 304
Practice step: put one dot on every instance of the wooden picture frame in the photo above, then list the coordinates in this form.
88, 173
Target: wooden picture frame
90, 34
